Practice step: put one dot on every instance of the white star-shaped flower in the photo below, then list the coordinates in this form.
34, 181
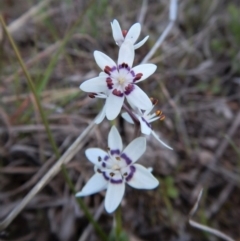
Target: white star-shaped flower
132, 35
145, 118
116, 167
119, 81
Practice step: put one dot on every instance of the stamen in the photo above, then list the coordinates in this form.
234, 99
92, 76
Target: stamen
107, 70
154, 101
99, 158
125, 174
158, 112
117, 158
92, 95
124, 33
112, 174
137, 77
128, 89
99, 171
117, 93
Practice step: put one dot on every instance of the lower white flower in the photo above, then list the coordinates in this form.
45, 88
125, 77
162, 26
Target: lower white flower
116, 167
145, 118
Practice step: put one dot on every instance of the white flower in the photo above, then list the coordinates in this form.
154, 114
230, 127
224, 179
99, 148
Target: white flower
145, 118
119, 81
116, 167
131, 35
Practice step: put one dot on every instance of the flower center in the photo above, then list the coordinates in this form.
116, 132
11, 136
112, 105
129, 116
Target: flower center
121, 80
116, 167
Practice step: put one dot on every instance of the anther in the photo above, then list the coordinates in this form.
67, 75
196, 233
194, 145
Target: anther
158, 112
124, 33
154, 101
112, 174
99, 158
118, 158
99, 171
92, 95
125, 174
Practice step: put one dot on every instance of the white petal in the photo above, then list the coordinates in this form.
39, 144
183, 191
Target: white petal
126, 53
142, 178
97, 84
114, 139
138, 98
113, 106
117, 32
145, 129
164, 144
114, 196
95, 184
141, 43
133, 33
101, 115
145, 69
135, 149
103, 60
127, 117
93, 154
103, 74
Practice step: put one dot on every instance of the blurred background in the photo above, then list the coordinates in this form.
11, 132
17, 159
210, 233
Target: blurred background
197, 84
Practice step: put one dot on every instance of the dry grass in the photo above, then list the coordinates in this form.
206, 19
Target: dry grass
198, 86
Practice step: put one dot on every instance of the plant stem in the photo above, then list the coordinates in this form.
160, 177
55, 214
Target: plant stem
49, 133
118, 220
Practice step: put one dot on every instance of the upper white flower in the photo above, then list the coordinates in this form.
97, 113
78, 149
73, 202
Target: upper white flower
119, 81
131, 35
116, 167
145, 118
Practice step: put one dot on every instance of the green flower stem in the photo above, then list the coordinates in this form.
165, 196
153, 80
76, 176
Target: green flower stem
118, 220
49, 134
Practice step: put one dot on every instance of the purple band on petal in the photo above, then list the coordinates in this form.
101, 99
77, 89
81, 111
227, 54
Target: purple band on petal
105, 176
129, 89
132, 73
106, 158
113, 68
148, 124
118, 181
130, 175
117, 152
117, 93
126, 158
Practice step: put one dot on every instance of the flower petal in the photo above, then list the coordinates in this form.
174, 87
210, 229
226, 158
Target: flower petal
164, 144
145, 127
142, 178
141, 43
97, 84
135, 149
145, 69
93, 155
133, 33
117, 32
114, 196
103, 60
113, 106
114, 139
95, 184
127, 117
101, 115
126, 53
139, 98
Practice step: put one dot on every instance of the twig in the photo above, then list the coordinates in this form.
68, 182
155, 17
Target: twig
65, 158
172, 18
143, 11
204, 227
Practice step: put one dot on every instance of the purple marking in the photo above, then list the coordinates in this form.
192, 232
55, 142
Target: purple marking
130, 175
117, 152
126, 158
113, 68
148, 124
103, 164
128, 89
132, 73
118, 181
105, 176
106, 158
